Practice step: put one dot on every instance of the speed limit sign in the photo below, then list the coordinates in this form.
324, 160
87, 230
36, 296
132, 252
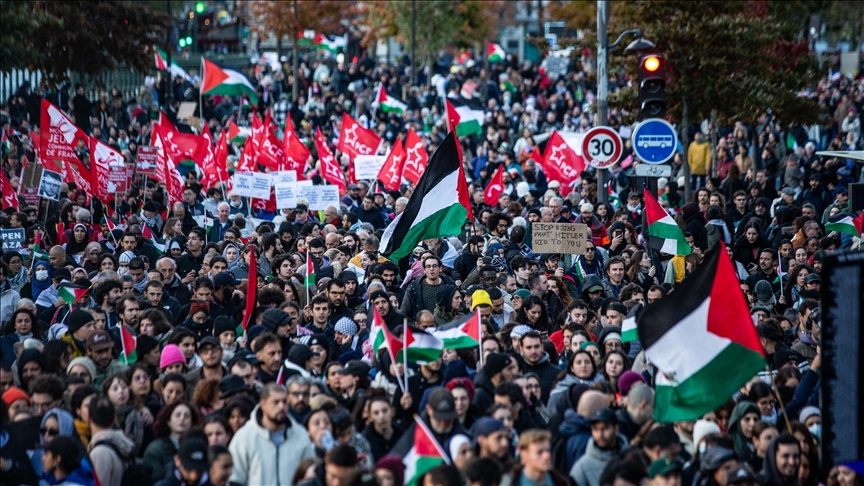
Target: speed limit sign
601, 147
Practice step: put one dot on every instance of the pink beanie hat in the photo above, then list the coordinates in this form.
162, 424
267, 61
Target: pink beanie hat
171, 355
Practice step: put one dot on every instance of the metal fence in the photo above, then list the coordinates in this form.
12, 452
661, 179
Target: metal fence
128, 82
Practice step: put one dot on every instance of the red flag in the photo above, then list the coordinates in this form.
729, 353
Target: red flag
452, 116
246, 161
330, 169
561, 162
536, 156
183, 146
355, 140
289, 125
102, 157
495, 188
416, 158
296, 154
352, 176
220, 158
257, 133
7, 193
270, 152
252, 289
390, 173
59, 135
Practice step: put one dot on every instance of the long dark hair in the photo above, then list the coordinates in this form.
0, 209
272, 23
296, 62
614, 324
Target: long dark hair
568, 370
542, 323
160, 425
35, 328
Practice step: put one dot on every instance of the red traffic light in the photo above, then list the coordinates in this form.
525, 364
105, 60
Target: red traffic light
651, 63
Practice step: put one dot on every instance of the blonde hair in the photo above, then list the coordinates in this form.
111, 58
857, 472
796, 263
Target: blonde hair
533, 436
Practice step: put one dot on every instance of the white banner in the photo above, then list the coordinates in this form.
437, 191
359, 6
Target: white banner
320, 197
283, 176
286, 195
251, 184
368, 166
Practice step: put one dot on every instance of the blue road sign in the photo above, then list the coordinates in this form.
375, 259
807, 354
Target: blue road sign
654, 141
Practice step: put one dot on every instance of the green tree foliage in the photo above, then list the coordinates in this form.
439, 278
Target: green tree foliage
437, 25
84, 36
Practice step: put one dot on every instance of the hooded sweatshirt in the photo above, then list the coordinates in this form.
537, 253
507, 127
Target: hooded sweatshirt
107, 464
743, 445
770, 476
587, 470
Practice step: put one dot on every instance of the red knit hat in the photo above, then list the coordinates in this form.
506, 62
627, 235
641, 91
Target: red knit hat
463, 382
15, 393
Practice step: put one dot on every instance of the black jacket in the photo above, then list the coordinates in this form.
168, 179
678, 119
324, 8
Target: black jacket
188, 262
547, 373
381, 446
412, 302
484, 392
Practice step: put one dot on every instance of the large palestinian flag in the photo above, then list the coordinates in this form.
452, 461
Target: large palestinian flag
702, 341
665, 234
846, 223
387, 102
424, 455
461, 333
466, 114
439, 207
222, 79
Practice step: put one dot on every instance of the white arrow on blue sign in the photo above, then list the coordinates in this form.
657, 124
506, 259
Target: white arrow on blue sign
654, 141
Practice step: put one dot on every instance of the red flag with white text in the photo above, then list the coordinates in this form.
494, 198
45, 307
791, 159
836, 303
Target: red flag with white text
416, 158
59, 135
355, 140
560, 161
495, 188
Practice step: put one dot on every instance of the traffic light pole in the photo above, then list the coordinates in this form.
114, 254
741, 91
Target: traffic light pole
168, 48
602, 89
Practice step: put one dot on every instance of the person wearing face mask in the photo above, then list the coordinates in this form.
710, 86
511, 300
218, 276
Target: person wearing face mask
40, 279
124, 260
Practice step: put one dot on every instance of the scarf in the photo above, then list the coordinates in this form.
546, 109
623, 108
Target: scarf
140, 286
771, 419
225, 256
47, 296
19, 280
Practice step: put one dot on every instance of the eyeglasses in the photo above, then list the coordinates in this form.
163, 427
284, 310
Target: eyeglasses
47, 431
430, 266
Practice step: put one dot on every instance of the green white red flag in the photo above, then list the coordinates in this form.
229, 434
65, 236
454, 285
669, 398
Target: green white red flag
461, 333
424, 455
666, 235
130, 343
846, 223
70, 292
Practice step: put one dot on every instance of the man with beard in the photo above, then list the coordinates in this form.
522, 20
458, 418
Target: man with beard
492, 439
270, 447
353, 294
336, 292
99, 346
781, 462
298, 397
171, 282
598, 232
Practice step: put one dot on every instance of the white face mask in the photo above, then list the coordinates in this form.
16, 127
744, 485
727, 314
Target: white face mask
123, 270
41, 275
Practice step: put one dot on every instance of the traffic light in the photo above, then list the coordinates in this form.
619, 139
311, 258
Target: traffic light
652, 86
200, 7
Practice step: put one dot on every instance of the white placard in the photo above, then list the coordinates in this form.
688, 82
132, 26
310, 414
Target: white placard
320, 197
368, 166
286, 195
329, 196
283, 176
252, 184
312, 196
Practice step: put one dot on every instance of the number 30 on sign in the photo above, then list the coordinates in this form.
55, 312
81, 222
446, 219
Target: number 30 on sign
601, 147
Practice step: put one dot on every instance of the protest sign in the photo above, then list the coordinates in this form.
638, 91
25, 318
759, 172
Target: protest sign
242, 184
368, 166
118, 180
566, 238
13, 239
286, 195
283, 176
49, 186
146, 160
329, 197
261, 185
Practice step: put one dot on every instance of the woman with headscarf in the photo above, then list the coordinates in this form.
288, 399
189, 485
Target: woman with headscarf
448, 305
56, 422
77, 240
41, 280
744, 417
90, 261
231, 254
17, 280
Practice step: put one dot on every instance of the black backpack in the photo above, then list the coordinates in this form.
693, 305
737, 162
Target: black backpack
136, 473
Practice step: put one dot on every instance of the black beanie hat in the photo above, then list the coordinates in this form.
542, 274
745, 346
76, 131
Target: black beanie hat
495, 362
273, 319
145, 344
223, 324
77, 319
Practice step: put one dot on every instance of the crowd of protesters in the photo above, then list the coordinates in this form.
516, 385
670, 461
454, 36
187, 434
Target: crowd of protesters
301, 396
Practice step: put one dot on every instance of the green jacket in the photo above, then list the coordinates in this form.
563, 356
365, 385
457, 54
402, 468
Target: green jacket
160, 456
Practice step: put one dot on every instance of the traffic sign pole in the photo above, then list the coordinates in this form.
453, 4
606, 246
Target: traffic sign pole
602, 147
654, 141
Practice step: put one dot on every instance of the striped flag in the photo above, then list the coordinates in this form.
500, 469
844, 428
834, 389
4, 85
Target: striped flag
310, 271
461, 333
496, 52
629, 331
376, 334
158, 243
424, 455
129, 342
387, 102
70, 292
420, 346
846, 223
667, 236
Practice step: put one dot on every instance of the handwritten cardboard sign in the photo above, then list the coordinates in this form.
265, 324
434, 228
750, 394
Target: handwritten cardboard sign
566, 238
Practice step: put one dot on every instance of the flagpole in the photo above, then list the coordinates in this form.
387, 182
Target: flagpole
779, 399
405, 352
480, 337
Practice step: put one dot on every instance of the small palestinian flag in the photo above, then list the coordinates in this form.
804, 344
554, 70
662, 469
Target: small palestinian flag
467, 115
37, 248
629, 331
439, 207
424, 455
461, 333
109, 223
310, 271
236, 134
162, 64
846, 223
130, 342
222, 79
71, 293
389, 103
157, 243
667, 236
376, 333
421, 346
495, 52
702, 341
614, 200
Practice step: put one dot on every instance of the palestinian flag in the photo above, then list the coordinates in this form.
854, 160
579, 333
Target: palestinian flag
321, 41
467, 115
71, 293
222, 79
846, 223
439, 207
162, 64
461, 333
377, 335
578, 272
495, 52
236, 134
420, 346
37, 248
388, 103
703, 342
129, 342
310, 271
629, 331
614, 200
668, 237
424, 455
157, 243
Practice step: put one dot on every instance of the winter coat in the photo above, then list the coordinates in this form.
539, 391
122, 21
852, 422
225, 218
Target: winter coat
484, 391
547, 372
159, 455
380, 445
587, 470
574, 432
257, 459
107, 464
741, 409
770, 476
83, 476
562, 388
699, 157
412, 302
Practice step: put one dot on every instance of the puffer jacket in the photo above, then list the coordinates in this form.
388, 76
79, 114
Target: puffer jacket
258, 460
